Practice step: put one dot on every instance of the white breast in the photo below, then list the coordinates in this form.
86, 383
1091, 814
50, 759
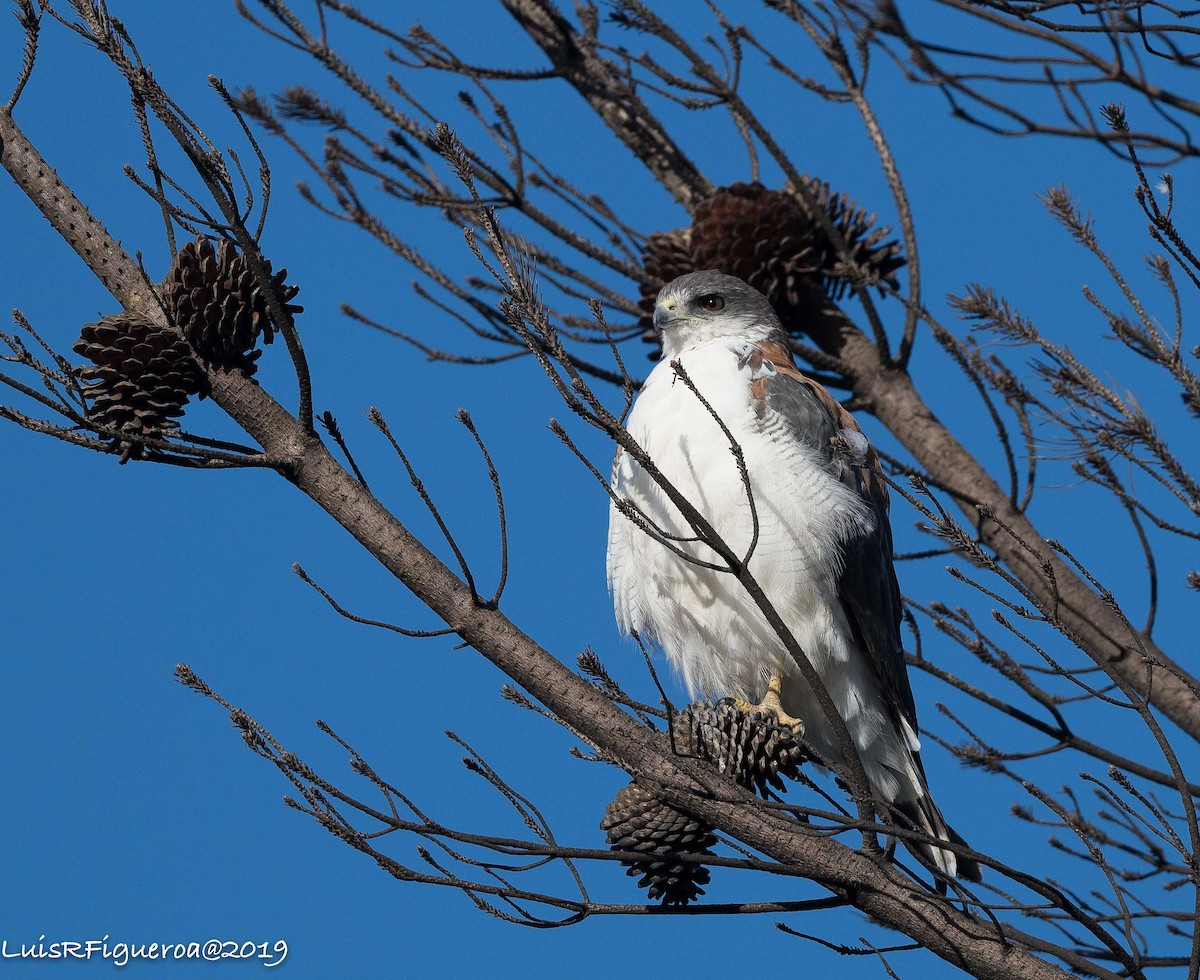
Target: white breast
704, 620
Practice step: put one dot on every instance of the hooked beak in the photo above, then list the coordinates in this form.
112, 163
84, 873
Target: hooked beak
666, 314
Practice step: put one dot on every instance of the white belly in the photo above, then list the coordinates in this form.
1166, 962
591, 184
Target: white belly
708, 625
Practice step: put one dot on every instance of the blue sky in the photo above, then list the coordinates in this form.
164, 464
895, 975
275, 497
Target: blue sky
132, 809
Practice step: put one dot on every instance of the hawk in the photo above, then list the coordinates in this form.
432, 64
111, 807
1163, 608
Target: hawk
817, 533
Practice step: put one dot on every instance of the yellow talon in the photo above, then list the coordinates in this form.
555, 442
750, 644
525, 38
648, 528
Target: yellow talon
771, 705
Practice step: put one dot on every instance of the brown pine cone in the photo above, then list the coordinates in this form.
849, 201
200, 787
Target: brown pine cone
753, 748
142, 378
637, 821
213, 297
769, 239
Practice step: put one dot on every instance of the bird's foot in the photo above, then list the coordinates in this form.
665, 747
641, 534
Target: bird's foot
770, 705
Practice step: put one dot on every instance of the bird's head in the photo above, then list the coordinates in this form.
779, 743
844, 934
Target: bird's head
709, 305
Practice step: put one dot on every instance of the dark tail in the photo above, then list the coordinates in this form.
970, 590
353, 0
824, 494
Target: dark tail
923, 816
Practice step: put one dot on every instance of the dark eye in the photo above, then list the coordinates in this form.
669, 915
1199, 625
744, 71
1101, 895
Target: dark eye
713, 302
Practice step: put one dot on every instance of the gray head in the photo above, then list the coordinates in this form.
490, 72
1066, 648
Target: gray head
709, 305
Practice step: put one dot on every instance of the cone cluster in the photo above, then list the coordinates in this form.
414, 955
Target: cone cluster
770, 239
140, 379
214, 298
750, 747
143, 375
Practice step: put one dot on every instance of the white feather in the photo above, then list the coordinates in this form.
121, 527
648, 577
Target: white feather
705, 621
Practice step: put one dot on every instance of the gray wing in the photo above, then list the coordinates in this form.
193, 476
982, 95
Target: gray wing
867, 588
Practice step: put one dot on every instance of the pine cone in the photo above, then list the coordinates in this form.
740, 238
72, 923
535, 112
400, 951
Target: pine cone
637, 821
753, 748
769, 239
143, 376
215, 300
